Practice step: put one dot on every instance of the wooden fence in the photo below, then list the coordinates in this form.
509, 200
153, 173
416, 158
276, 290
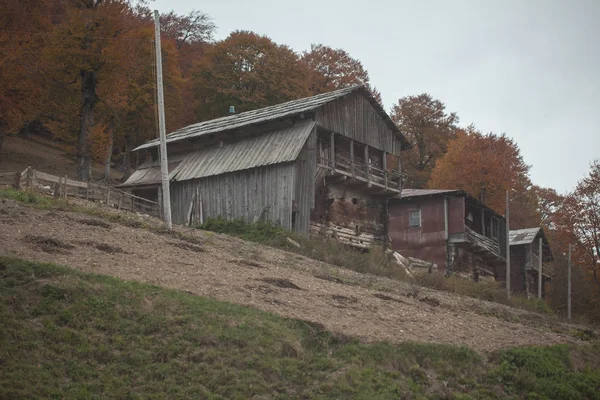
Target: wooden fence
63, 187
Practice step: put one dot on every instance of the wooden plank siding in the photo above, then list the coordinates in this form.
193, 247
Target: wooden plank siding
242, 194
306, 167
355, 117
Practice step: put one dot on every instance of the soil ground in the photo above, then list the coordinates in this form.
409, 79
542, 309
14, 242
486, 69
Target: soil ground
229, 269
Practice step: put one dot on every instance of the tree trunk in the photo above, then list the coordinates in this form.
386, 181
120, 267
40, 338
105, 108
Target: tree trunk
86, 121
1, 138
109, 151
127, 156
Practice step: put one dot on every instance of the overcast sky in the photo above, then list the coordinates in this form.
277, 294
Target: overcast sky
527, 68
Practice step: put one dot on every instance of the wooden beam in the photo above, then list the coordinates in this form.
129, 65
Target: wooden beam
385, 172
483, 221
332, 152
367, 165
352, 158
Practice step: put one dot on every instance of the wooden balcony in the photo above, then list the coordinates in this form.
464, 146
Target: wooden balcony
532, 264
376, 180
476, 243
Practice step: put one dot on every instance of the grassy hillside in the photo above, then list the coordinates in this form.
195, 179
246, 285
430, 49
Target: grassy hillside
66, 334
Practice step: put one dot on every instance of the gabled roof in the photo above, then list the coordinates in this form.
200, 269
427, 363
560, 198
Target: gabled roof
266, 114
275, 147
413, 193
523, 236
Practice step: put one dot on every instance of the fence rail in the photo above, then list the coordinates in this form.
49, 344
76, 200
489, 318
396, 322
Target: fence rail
63, 187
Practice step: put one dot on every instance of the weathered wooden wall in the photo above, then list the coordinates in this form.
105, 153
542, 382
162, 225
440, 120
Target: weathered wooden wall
339, 205
304, 196
243, 194
354, 116
428, 241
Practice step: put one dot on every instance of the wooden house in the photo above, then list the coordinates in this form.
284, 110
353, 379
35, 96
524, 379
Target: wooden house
325, 163
524, 260
450, 229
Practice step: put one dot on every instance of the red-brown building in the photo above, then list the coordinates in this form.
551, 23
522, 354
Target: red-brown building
449, 228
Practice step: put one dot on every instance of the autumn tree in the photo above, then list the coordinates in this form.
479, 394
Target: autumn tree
579, 220
79, 53
247, 71
486, 166
429, 127
195, 27
22, 87
548, 202
330, 69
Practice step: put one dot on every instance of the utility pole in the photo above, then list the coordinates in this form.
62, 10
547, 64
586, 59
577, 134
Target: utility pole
569, 288
164, 169
507, 246
540, 270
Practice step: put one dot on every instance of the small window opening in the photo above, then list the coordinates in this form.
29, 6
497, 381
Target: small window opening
415, 219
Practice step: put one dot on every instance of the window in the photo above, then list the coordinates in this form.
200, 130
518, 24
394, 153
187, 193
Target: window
415, 219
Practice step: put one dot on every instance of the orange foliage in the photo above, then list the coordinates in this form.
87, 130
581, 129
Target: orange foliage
486, 166
330, 69
426, 124
247, 71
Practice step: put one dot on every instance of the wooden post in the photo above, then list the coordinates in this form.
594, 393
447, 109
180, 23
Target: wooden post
385, 172
66, 187
107, 195
507, 246
540, 269
482, 221
320, 159
569, 288
57, 186
132, 204
164, 166
17, 180
200, 208
87, 191
332, 151
352, 157
367, 165
28, 178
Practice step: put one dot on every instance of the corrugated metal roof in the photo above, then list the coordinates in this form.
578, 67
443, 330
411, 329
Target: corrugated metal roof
522, 236
266, 114
424, 192
275, 147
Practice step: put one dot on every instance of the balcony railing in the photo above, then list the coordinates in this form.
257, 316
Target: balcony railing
478, 244
359, 170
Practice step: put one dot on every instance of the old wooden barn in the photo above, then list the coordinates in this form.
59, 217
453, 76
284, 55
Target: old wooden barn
325, 163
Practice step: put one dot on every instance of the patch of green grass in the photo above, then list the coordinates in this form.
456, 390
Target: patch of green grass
67, 334
24, 196
534, 304
546, 373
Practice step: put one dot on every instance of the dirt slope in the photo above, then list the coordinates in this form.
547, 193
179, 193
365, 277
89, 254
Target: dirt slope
232, 270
